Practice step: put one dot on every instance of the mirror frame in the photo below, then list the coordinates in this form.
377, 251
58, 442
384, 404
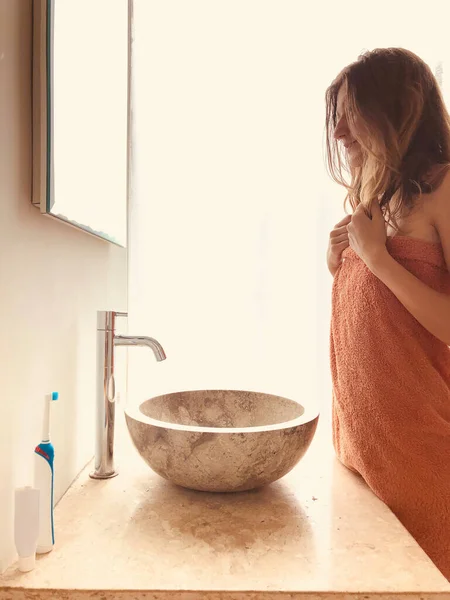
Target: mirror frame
42, 196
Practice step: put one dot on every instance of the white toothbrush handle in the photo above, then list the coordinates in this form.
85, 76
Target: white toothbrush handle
44, 483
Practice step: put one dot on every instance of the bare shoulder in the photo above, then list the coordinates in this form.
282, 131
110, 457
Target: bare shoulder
440, 210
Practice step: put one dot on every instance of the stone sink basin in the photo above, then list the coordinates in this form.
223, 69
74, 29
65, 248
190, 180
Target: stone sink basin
221, 440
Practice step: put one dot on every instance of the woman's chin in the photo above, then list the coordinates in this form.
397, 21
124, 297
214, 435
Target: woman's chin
354, 159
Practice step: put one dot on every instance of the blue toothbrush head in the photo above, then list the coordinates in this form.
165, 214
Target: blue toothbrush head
55, 395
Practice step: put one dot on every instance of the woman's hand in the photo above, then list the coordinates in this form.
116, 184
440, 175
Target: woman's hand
367, 236
338, 243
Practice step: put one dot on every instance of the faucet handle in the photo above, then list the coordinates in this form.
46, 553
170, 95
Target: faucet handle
121, 314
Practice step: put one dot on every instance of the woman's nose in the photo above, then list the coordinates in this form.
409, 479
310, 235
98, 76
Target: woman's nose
341, 128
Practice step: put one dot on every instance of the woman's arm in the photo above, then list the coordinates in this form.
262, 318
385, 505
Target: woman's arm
368, 239
429, 307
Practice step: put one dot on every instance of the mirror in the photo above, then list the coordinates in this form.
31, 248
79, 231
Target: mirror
80, 114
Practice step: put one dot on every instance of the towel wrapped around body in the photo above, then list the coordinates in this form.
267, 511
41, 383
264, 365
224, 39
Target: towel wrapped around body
391, 393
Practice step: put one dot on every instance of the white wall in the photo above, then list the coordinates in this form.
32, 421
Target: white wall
53, 279
231, 205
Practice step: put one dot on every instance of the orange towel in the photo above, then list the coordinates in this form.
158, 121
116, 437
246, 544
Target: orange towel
391, 394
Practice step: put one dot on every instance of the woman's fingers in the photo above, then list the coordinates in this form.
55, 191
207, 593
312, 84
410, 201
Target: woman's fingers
338, 232
339, 238
345, 221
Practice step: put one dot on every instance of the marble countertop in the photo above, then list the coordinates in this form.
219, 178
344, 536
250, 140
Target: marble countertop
317, 533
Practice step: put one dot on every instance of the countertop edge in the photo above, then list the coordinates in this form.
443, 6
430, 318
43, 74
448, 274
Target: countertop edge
14, 593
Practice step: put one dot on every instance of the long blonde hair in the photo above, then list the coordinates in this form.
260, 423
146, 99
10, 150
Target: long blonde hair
397, 113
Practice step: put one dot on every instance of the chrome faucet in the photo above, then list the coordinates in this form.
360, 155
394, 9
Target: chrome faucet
106, 393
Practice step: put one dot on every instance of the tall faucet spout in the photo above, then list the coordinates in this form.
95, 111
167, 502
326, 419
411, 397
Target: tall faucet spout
141, 340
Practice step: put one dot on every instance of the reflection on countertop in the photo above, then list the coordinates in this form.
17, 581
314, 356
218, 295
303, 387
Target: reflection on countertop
316, 533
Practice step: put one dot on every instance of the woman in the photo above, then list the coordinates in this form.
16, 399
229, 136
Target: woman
388, 128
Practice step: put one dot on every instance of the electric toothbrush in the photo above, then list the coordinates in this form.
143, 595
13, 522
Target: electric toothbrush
43, 481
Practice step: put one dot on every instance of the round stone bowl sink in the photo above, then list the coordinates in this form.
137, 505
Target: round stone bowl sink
221, 440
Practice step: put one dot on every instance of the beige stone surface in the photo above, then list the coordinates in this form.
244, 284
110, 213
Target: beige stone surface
194, 595
221, 440
317, 533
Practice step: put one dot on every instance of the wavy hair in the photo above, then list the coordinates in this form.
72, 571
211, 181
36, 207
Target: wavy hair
395, 110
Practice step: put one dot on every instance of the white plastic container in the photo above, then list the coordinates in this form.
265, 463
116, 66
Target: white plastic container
26, 526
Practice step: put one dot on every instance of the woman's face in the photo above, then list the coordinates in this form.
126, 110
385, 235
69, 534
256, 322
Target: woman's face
343, 134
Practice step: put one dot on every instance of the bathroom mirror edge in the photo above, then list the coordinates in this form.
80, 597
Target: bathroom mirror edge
43, 182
